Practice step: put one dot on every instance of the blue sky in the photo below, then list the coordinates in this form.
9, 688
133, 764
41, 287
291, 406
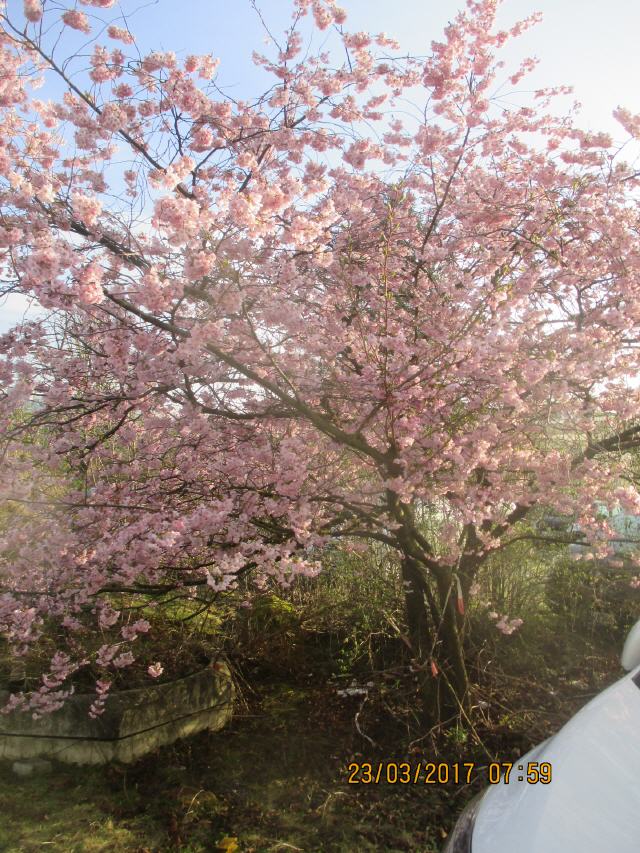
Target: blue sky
588, 44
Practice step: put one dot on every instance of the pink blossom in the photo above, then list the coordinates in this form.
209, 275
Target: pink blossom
208, 65
101, 66
179, 214
16, 702
130, 632
120, 34
89, 284
123, 660
33, 10
86, 207
76, 20
155, 670
108, 617
629, 121
199, 264
102, 689
105, 655
507, 626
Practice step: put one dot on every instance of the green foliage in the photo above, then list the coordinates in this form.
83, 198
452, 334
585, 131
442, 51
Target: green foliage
336, 623
593, 597
513, 579
354, 602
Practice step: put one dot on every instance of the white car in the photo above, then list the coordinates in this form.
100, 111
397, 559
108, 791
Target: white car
589, 801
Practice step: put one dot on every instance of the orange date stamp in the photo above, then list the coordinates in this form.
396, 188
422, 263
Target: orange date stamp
446, 773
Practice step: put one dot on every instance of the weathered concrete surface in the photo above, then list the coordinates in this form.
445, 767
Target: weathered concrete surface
134, 723
34, 767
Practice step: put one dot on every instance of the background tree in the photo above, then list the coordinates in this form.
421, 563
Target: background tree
300, 319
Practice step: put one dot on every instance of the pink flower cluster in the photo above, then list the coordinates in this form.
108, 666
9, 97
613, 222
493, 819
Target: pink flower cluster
87, 207
630, 121
76, 20
33, 10
504, 624
199, 265
130, 632
89, 284
179, 215
102, 690
120, 34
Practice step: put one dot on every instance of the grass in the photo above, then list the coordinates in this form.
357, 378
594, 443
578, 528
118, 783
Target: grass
70, 812
275, 780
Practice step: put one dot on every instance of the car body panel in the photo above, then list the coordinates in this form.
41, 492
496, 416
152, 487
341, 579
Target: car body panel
630, 657
593, 801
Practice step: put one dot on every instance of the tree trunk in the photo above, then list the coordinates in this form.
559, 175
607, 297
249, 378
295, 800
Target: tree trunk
455, 666
421, 639
437, 644
416, 608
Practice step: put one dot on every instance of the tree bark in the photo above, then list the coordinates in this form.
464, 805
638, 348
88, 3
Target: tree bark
421, 637
437, 644
454, 666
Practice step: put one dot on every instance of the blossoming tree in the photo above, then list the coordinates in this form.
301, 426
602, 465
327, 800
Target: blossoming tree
297, 319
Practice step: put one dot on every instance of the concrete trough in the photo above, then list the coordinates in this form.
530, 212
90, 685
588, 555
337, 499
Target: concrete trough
134, 723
